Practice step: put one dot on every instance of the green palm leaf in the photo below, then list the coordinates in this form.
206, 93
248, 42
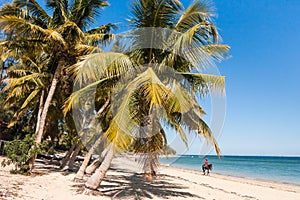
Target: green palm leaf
83, 12
34, 8
99, 65
8, 23
217, 83
197, 11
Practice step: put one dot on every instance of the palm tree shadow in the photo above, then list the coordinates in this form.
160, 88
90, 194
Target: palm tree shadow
136, 187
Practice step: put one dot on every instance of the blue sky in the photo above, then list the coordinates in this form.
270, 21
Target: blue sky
262, 77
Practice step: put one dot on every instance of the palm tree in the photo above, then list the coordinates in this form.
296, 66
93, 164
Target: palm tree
159, 78
63, 37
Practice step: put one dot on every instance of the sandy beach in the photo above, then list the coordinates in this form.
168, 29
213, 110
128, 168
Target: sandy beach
125, 181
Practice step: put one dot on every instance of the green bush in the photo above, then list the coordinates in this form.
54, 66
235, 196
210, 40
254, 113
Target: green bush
19, 151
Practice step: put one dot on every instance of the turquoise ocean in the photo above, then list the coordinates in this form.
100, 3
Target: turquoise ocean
269, 168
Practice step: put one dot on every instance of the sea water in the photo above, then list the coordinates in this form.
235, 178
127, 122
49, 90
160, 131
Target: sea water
273, 168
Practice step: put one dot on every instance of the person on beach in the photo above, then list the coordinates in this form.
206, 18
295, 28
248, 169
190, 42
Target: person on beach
206, 166
206, 162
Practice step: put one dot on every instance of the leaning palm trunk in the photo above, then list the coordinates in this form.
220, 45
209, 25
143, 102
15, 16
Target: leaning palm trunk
41, 106
1, 70
95, 180
97, 162
30, 162
68, 155
70, 163
46, 106
55, 80
87, 158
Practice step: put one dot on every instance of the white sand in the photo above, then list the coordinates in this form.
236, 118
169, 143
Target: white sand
124, 181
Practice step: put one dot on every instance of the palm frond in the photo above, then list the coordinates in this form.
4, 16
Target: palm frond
122, 128
26, 29
184, 44
71, 33
101, 38
82, 49
216, 83
181, 101
10, 9
60, 13
153, 89
102, 29
196, 12
217, 51
205, 131
33, 78
83, 12
154, 13
76, 97
34, 8
96, 66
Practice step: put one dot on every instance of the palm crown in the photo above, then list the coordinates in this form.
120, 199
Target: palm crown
156, 79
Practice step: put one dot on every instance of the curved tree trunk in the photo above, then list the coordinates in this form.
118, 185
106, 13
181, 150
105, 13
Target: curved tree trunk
65, 160
52, 89
30, 162
46, 106
1, 70
41, 106
97, 162
95, 180
94, 165
71, 161
87, 158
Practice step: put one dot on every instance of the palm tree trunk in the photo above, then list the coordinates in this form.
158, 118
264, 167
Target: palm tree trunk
72, 159
41, 106
46, 106
54, 82
31, 160
67, 158
95, 180
1, 70
97, 162
68, 155
87, 158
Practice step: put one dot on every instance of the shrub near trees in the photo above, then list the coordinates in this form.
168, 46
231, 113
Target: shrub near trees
52, 53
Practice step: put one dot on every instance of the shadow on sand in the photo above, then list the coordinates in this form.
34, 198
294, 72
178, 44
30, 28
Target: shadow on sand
134, 186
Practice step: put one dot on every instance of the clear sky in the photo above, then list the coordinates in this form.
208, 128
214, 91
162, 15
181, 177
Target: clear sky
262, 77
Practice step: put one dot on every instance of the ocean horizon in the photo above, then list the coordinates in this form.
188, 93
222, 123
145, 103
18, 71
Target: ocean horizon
284, 169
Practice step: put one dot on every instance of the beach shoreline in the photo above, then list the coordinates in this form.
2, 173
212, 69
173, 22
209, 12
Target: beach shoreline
125, 180
237, 177
241, 179
276, 169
